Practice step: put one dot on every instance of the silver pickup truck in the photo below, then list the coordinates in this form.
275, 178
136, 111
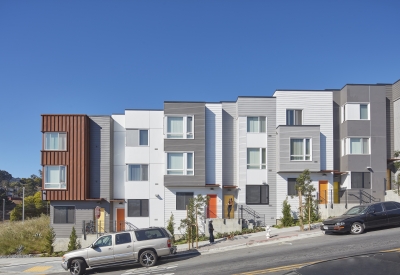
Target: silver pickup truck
143, 245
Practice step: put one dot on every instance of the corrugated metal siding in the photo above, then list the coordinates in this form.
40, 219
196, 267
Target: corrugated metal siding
317, 110
76, 157
213, 144
284, 135
83, 211
229, 144
196, 145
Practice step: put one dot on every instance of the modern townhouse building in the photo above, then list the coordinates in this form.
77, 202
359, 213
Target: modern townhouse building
141, 166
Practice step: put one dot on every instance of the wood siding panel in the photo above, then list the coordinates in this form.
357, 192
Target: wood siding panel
75, 158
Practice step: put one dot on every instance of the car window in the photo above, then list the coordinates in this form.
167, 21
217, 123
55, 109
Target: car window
122, 238
389, 206
104, 241
378, 208
149, 234
356, 210
397, 204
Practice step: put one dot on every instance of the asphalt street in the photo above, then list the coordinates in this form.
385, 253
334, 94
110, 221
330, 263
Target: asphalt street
277, 259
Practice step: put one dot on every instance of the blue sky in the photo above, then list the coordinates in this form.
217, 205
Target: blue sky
102, 57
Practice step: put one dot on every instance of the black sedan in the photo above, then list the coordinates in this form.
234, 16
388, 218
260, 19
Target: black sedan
359, 218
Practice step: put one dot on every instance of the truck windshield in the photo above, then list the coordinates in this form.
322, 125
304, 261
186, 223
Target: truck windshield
356, 210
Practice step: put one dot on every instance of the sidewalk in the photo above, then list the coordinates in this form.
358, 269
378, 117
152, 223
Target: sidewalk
253, 239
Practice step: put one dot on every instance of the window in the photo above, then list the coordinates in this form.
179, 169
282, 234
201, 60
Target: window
256, 158
179, 127
138, 172
138, 208
148, 234
55, 141
377, 208
182, 199
104, 241
294, 117
361, 180
123, 238
256, 124
55, 177
300, 149
355, 111
64, 214
389, 206
356, 146
291, 187
180, 164
137, 137
257, 194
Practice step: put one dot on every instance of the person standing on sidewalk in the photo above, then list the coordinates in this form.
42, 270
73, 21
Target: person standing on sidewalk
230, 205
211, 231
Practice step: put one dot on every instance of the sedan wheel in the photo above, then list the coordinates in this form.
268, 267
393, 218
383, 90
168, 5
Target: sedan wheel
77, 267
357, 228
148, 258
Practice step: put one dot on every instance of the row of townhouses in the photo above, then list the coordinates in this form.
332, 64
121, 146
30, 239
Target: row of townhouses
141, 166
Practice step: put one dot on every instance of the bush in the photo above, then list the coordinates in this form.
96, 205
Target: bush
287, 219
50, 238
73, 241
28, 237
171, 226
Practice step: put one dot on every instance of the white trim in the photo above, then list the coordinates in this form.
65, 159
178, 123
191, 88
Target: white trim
184, 127
185, 170
45, 173
304, 149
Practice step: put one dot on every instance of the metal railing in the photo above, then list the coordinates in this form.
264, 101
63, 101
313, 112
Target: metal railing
91, 227
347, 196
251, 215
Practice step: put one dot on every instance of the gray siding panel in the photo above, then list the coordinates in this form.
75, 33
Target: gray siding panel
229, 144
83, 211
389, 121
396, 90
196, 145
285, 133
336, 130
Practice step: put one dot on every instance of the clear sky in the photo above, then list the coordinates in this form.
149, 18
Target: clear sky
102, 57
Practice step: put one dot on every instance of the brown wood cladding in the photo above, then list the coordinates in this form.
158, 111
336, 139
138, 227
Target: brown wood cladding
75, 158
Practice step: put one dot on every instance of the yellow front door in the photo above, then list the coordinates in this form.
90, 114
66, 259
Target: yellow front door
229, 214
335, 192
323, 191
101, 221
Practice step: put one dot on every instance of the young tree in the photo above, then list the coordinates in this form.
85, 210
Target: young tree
287, 219
73, 241
302, 184
190, 224
171, 226
309, 205
50, 238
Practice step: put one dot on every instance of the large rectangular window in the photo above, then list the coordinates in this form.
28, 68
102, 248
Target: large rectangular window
256, 158
257, 194
64, 214
291, 187
179, 127
300, 149
182, 199
55, 141
180, 163
294, 117
137, 137
356, 146
256, 124
361, 180
55, 177
355, 111
138, 172
138, 208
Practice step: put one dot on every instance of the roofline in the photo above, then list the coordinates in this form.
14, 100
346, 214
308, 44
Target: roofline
255, 96
376, 84
185, 102
64, 115
144, 109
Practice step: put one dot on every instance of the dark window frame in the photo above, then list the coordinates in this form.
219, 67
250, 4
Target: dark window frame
56, 216
289, 188
143, 212
186, 197
364, 184
261, 200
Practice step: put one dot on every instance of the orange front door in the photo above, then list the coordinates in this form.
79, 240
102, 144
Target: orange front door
120, 219
323, 191
212, 207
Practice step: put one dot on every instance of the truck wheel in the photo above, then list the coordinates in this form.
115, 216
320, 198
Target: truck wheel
148, 258
78, 267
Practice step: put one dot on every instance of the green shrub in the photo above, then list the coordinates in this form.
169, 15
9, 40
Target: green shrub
73, 241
